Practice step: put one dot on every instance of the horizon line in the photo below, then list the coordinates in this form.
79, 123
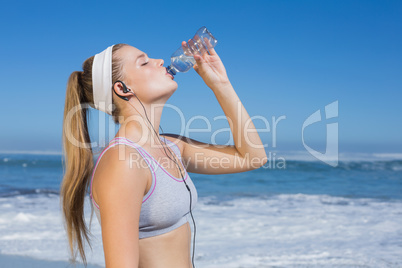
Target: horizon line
292, 155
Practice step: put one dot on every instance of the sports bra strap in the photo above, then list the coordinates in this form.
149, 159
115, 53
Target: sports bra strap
112, 143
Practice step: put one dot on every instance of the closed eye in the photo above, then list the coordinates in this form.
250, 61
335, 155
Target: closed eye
144, 63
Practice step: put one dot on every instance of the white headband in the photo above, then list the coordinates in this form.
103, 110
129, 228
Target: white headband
102, 80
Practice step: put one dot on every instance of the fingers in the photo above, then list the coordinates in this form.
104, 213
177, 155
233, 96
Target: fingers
210, 48
200, 59
184, 43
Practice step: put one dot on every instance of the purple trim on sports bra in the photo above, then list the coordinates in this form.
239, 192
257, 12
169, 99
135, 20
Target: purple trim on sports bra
176, 179
111, 144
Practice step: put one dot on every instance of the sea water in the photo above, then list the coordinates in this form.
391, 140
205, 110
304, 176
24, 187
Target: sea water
305, 214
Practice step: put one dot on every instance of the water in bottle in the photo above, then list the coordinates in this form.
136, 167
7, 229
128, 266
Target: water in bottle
183, 59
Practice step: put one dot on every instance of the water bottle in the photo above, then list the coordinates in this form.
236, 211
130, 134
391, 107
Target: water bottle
183, 59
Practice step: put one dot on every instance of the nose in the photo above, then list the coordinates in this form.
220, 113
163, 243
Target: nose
161, 62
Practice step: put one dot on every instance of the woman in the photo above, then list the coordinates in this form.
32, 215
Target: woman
143, 208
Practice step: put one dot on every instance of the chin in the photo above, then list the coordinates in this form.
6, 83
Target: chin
168, 90
175, 86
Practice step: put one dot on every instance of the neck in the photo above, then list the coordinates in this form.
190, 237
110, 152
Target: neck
136, 127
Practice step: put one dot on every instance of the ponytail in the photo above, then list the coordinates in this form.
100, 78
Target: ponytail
78, 156
78, 165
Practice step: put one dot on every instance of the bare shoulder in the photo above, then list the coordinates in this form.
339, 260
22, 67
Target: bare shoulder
119, 167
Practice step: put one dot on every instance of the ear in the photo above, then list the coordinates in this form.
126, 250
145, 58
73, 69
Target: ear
121, 90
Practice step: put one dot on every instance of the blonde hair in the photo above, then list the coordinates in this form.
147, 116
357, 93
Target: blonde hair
78, 159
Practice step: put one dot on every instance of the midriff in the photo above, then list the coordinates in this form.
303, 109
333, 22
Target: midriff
171, 249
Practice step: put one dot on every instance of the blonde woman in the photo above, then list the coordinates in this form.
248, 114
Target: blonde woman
139, 187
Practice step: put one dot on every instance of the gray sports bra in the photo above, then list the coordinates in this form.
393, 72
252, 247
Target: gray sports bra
166, 205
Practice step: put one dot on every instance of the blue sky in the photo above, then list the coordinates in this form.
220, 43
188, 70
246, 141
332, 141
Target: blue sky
284, 58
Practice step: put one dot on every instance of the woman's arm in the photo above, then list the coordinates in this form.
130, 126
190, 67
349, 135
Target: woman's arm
119, 189
248, 152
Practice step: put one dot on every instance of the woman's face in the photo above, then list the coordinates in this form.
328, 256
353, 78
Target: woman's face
146, 76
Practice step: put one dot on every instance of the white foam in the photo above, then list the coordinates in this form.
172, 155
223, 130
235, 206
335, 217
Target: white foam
397, 168
388, 155
299, 230
24, 217
282, 231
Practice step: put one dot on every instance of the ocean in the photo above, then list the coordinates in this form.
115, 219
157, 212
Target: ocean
303, 213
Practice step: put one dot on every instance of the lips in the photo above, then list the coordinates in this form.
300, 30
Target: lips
171, 76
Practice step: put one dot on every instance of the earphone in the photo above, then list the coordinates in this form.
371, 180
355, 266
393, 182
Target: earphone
126, 90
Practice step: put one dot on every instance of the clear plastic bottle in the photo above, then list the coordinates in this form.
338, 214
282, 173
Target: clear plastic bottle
183, 59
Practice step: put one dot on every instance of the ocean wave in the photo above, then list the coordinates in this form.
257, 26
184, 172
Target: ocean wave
31, 161
342, 156
379, 165
27, 192
360, 165
286, 230
34, 152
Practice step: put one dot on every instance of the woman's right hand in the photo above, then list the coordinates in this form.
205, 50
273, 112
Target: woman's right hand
210, 68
